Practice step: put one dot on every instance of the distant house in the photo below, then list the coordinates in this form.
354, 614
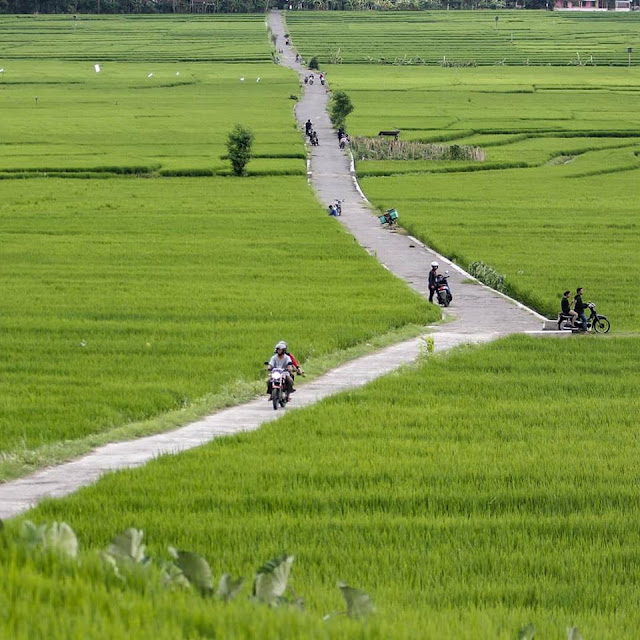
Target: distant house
580, 5
592, 5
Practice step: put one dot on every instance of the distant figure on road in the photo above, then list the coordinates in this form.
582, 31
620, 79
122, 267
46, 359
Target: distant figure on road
332, 211
344, 141
308, 126
433, 275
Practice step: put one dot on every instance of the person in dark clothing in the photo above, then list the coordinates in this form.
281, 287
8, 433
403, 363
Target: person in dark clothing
566, 308
308, 127
579, 307
433, 274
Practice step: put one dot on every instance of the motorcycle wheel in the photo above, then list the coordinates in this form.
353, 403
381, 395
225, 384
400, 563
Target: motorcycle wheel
275, 398
284, 398
446, 301
601, 324
564, 325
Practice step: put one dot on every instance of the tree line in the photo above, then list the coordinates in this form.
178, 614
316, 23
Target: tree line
251, 6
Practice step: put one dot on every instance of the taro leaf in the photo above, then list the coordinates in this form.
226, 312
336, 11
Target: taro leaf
573, 633
271, 579
31, 535
128, 546
359, 603
60, 537
228, 588
527, 633
172, 575
195, 569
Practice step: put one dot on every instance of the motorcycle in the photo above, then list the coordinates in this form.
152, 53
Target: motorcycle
338, 206
279, 388
389, 217
595, 322
443, 290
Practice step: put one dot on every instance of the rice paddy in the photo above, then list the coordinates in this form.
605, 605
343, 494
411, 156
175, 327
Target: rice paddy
463, 504
471, 495
552, 206
466, 38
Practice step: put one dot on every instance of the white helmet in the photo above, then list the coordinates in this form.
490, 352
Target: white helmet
281, 345
435, 264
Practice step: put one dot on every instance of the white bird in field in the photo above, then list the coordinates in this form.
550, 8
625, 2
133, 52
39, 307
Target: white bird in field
241, 79
97, 68
177, 73
257, 79
150, 75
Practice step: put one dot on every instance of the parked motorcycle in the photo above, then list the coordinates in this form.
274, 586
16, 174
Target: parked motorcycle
595, 322
443, 290
279, 389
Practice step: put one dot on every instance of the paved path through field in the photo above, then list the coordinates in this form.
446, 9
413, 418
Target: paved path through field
480, 315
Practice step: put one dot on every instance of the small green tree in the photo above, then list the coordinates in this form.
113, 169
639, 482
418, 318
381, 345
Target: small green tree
340, 108
239, 143
314, 64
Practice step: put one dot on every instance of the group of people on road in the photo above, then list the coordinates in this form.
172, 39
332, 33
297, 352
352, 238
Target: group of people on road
335, 208
578, 311
311, 133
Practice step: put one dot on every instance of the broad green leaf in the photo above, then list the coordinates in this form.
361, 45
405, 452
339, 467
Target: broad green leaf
128, 546
573, 633
195, 569
359, 603
271, 579
527, 633
60, 537
32, 535
172, 575
228, 588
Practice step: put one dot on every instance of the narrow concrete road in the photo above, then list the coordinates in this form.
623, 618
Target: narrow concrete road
476, 309
480, 315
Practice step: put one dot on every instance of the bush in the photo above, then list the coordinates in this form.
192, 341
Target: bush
340, 107
239, 143
313, 63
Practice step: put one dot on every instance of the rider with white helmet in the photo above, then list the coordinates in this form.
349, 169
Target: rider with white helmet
433, 275
281, 360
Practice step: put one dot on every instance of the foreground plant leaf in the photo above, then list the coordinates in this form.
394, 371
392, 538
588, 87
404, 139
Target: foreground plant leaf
31, 535
128, 546
271, 579
573, 633
527, 633
359, 604
195, 569
228, 588
60, 537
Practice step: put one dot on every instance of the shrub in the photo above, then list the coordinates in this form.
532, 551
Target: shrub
239, 143
313, 63
340, 107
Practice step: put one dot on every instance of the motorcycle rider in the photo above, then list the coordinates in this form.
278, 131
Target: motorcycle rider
281, 360
579, 307
566, 308
433, 275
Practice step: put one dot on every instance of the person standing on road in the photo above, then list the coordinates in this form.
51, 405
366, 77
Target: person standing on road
308, 127
566, 308
579, 307
433, 275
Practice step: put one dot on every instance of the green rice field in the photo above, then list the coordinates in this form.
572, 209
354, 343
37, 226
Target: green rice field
462, 503
138, 279
466, 37
471, 495
553, 206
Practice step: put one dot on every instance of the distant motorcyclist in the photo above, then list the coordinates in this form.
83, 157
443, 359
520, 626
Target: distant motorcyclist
281, 360
433, 277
